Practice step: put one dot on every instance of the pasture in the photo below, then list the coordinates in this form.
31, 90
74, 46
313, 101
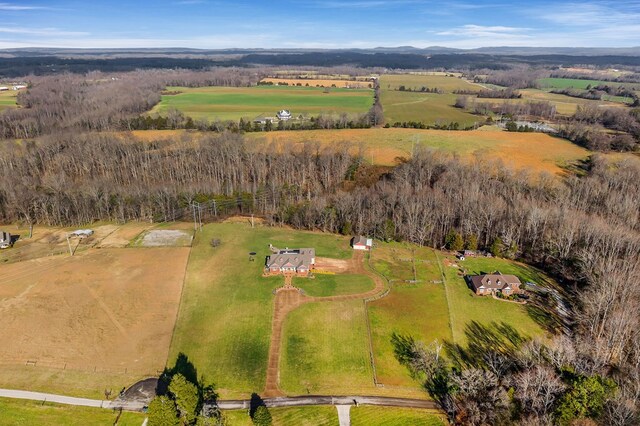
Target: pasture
16, 412
325, 350
8, 99
233, 103
436, 308
575, 83
315, 82
428, 108
77, 325
536, 152
334, 285
224, 324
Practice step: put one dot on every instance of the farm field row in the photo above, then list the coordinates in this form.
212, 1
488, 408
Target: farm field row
234, 103
575, 83
314, 82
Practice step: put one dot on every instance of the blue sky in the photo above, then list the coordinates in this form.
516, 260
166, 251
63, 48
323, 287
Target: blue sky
317, 23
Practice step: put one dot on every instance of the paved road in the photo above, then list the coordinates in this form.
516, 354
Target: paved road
344, 415
293, 401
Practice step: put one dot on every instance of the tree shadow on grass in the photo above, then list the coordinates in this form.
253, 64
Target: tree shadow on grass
484, 343
256, 401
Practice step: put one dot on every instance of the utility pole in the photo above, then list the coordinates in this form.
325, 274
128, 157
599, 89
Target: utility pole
252, 220
195, 221
215, 208
200, 215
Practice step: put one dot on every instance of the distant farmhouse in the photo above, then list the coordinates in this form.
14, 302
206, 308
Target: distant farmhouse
491, 283
284, 115
5, 240
361, 243
291, 261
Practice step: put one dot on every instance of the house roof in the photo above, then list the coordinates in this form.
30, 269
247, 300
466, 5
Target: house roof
292, 258
496, 281
361, 241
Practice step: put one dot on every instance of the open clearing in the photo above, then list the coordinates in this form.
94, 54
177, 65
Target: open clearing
313, 82
8, 99
16, 412
101, 317
422, 310
533, 151
233, 103
575, 83
325, 350
428, 108
164, 238
225, 316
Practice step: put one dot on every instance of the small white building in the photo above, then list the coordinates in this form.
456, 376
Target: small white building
82, 233
5, 240
3, 88
284, 115
19, 86
361, 243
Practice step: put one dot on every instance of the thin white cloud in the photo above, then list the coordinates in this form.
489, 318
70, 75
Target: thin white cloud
18, 7
482, 31
54, 32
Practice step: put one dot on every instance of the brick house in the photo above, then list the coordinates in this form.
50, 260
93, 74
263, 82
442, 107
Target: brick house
490, 283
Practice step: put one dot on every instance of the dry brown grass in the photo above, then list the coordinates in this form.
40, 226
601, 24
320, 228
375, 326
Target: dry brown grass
313, 82
104, 310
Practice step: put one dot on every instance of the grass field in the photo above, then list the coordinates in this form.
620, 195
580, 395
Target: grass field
393, 416
574, 83
467, 307
325, 349
295, 416
100, 318
14, 412
419, 310
334, 285
8, 99
428, 108
314, 82
233, 103
225, 314
533, 151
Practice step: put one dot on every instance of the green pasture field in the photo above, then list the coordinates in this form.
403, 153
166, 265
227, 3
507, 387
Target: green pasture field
428, 108
17, 412
290, 416
393, 416
233, 103
326, 350
419, 310
467, 307
8, 99
224, 322
575, 83
334, 285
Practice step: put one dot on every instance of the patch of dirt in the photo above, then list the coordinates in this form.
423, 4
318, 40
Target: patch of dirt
333, 265
122, 236
165, 238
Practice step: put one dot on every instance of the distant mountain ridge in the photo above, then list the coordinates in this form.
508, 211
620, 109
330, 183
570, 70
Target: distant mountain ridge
431, 50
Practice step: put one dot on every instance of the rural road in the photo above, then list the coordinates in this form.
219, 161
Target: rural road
294, 401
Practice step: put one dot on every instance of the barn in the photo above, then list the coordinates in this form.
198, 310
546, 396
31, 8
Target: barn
361, 243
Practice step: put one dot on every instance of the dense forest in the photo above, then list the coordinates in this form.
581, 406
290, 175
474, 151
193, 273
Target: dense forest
70, 168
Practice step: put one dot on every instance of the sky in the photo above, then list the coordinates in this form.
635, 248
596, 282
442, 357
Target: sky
211, 24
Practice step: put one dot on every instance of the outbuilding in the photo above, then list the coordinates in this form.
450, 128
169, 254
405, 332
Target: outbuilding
5, 240
361, 243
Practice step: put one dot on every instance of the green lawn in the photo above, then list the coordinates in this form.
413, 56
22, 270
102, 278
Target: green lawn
233, 103
23, 412
419, 310
325, 349
393, 416
444, 83
334, 285
296, 416
224, 322
467, 307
